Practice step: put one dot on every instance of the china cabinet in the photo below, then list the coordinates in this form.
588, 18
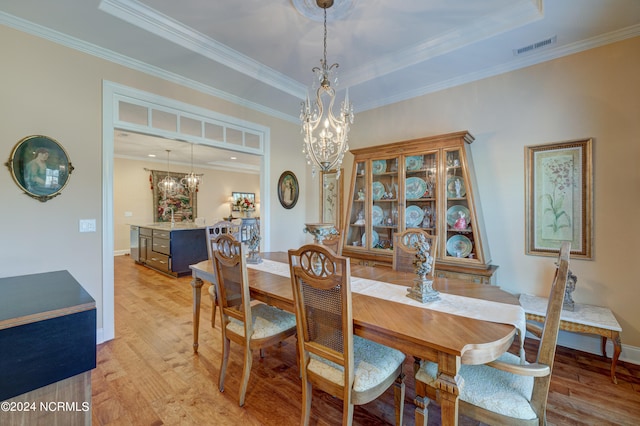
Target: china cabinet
425, 183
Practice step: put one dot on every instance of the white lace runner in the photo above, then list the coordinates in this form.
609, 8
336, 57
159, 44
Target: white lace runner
468, 307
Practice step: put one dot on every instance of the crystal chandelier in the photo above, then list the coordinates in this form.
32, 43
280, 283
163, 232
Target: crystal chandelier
191, 180
168, 185
325, 135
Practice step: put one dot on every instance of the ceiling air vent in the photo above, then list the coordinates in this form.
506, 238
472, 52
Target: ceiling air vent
534, 46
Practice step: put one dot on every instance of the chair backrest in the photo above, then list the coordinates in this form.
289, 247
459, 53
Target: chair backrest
404, 250
217, 229
549, 339
230, 266
322, 297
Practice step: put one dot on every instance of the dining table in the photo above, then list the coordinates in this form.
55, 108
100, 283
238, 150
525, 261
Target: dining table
442, 337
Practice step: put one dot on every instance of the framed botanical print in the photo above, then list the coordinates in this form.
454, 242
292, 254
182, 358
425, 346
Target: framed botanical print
559, 185
288, 190
40, 166
331, 198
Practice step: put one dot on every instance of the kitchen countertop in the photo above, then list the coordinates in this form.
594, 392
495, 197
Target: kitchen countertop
166, 226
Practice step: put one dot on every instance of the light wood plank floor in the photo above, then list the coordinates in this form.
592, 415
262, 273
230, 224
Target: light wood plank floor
148, 375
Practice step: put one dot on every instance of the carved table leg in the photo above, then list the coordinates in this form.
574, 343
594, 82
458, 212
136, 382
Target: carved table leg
447, 383
617, 348
196, 283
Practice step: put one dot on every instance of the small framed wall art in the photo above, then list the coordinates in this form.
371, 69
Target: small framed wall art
40, 166
288, 190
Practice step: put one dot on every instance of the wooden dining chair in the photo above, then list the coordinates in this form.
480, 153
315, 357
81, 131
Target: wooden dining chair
504, 391
404, 251
213, 232
251, 325
332, 359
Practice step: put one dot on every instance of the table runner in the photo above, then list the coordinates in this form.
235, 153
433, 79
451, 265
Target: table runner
468, 307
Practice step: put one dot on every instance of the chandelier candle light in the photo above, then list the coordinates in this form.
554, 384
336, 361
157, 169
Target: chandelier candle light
325, 135
168, 185
191, 180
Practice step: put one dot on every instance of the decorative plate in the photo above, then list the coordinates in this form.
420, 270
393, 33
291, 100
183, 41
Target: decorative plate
379, 166
459, 246
376, 215
377, 190
413, 216
375, 236
413, 163
454, 213
415, 188
451, 187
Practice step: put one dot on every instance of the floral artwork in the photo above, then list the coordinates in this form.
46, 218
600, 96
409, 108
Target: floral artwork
330, 198
558, 180
243, 202
559, 197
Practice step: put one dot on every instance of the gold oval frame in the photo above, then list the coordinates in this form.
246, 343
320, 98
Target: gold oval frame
41, 179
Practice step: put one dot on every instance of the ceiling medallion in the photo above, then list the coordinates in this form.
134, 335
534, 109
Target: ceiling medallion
338, 10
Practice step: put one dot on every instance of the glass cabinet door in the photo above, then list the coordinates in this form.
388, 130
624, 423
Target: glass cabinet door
356, 224
460, 241
420, 191
384, 203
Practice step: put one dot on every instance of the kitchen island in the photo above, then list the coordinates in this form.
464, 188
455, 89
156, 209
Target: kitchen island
169, 248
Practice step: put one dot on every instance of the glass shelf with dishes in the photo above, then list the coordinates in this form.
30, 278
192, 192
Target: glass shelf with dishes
426, 184
356, 223
384, 203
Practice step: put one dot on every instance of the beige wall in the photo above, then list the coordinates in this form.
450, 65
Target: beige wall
132, 193
52, 90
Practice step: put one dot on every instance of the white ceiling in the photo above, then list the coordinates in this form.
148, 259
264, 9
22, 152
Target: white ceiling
260, 53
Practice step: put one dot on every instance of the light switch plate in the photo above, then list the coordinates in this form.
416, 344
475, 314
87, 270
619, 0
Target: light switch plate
87, 225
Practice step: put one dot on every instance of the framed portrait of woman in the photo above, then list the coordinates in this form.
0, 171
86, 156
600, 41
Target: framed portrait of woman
40, 167
288, 190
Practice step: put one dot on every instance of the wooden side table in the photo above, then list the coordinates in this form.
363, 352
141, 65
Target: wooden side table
586, 319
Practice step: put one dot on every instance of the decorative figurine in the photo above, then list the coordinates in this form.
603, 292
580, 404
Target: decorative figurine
360, 220
461, 223
458, 187
254, 242
422, 290
568, 302
360, 195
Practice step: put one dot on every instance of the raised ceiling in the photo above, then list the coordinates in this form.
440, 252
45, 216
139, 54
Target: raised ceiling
260, 53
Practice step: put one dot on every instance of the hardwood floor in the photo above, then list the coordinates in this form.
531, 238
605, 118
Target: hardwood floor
148, 375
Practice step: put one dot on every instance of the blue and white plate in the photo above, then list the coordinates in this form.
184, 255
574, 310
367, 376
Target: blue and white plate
376, 215
413, 216
459, 246
374, 235
414, 188
379, 166
377, 190
413, 163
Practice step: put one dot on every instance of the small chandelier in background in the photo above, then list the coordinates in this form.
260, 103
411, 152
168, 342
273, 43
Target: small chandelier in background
191, 180
325, 135
168, 185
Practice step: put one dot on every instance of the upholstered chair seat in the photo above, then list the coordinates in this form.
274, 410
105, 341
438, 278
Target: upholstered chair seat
494, 390
267, 321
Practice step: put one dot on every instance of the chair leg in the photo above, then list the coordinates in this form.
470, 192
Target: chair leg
223, 363
422, 411
246, 372
306, 402
347, 413
398, 397
213, 310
